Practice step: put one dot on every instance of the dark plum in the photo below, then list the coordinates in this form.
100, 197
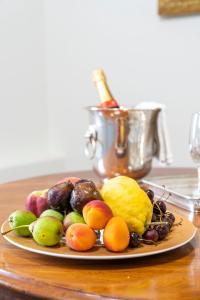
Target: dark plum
59, 196
151, 235
150, 194
135, 240
82, 180
159, 207
84, 191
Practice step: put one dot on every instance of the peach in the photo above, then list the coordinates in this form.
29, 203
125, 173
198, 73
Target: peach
116, 235
36, 202
73, 180
96, 214
80, 237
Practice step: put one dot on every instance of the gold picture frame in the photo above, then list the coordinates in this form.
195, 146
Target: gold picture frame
178, 7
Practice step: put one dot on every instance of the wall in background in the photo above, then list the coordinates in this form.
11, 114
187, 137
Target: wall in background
24, 149
48, 51
146, 58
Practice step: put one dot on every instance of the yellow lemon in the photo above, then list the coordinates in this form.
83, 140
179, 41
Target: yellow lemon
127, 200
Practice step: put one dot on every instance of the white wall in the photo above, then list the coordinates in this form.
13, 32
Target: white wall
48, 50
145, 57
24, 147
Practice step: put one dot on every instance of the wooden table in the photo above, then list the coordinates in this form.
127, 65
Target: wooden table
25, 275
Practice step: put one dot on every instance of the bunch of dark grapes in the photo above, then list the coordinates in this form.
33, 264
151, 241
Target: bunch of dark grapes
162, 220
161, 223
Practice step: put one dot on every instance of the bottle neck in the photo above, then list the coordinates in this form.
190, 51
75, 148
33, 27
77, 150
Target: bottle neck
106, 98
103, 91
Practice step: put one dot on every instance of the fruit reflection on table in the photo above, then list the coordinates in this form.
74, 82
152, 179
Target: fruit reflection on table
121, 214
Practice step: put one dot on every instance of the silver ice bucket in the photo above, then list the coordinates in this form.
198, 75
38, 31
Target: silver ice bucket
122, 141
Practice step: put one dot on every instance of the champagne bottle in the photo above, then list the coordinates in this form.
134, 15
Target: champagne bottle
107, 100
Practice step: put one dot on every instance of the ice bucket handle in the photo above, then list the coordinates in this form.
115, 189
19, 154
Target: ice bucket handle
91, 142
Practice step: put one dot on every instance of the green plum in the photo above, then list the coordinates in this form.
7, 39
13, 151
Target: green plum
47, 231
52, 213
72, 218
19, 221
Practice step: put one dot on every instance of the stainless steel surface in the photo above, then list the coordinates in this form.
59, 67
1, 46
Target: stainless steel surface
121, 141
178, 190
91, 139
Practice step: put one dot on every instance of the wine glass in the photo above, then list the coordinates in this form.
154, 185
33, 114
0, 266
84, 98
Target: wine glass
194, 146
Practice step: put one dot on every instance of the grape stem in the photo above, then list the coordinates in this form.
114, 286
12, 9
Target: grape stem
148, 241
157, 223
161, 213
21, 226
179, 223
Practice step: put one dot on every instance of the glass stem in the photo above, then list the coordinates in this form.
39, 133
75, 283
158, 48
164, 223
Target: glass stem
198, 179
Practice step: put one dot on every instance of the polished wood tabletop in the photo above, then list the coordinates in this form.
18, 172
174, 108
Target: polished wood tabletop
25, 275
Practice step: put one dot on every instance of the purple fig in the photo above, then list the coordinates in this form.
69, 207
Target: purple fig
84, 191
59, 196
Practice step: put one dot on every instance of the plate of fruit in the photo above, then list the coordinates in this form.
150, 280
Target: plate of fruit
74, 219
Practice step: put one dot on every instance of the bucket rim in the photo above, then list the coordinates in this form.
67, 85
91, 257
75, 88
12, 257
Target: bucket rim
121, 108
